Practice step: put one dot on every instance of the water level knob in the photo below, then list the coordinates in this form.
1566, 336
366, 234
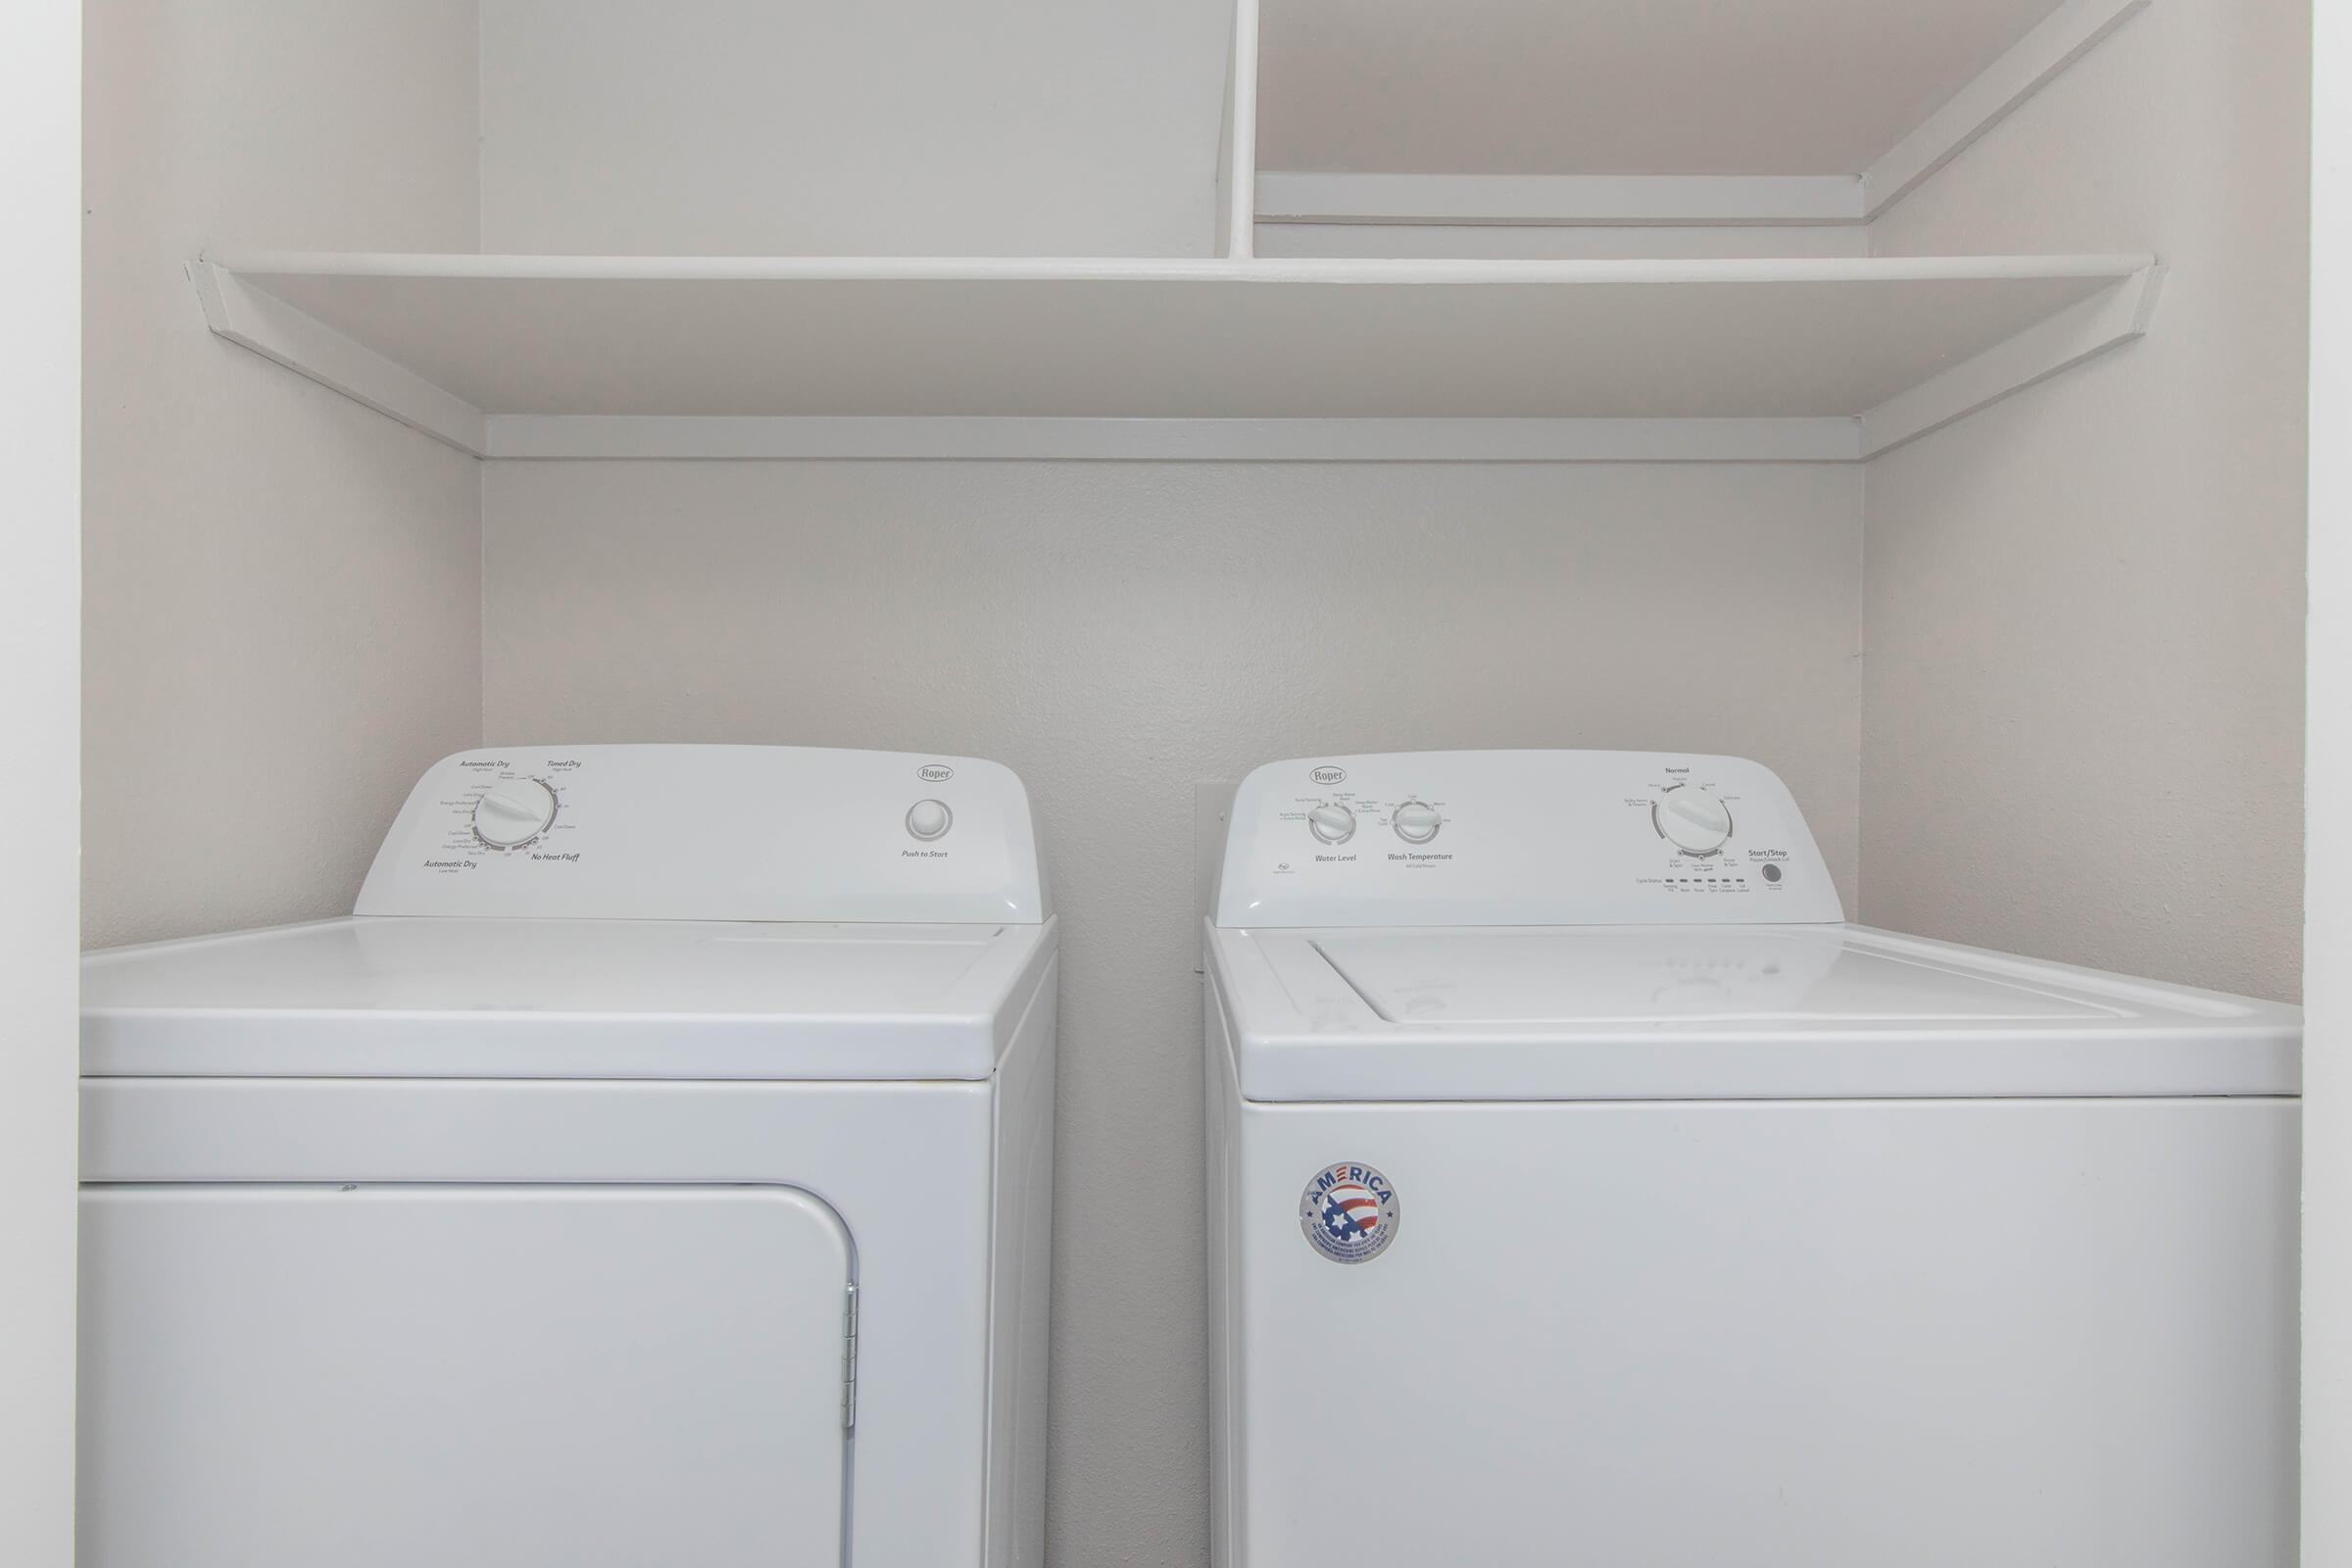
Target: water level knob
1332, 822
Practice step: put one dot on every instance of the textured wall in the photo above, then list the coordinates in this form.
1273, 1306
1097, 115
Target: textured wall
282, 602
2082, 718
1117, 632
1051, 128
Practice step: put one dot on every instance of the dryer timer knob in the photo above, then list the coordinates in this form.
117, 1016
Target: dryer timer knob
515, 811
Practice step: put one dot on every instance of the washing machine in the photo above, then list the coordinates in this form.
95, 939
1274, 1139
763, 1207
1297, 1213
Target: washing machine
1584, 1190
655, 1168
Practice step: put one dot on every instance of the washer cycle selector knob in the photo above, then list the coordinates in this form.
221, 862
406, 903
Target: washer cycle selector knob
929, 819
1416, 821
513, 812
1691, 820
1332, 822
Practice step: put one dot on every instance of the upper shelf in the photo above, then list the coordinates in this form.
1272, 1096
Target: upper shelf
1794, 111
1614, 86
1819, 359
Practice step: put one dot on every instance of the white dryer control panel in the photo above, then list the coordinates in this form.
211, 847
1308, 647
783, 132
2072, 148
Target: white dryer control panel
1520, 838
712, 833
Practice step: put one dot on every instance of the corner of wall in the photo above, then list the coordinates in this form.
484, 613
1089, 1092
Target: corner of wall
2085, 583
279, 582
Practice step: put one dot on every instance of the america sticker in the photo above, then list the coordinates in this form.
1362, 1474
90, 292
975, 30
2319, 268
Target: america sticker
1348, 1212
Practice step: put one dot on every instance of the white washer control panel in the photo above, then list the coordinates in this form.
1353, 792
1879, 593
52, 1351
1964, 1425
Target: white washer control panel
712, 833
1520, 838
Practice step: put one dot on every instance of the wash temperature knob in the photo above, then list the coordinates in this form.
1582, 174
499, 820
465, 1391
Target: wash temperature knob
1417, 822
1691, 820
1332, 822
513, 812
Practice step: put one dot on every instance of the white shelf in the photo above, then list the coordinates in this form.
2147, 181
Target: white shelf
1623, 112
1808, 359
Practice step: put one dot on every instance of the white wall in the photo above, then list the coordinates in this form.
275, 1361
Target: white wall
40, 370
2081, 729
1117, 631
283, 587
2328, 928
721, 127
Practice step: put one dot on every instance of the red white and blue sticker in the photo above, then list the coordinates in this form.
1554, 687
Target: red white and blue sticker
1349, 1213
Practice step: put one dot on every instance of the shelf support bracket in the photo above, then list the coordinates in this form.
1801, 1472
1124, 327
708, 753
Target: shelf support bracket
2026, 67
2107, 320
309, 347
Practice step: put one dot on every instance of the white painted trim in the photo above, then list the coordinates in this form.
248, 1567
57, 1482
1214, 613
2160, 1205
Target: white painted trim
2114, 316
1617, 201
300, 342
2065, 36
1590, 201
2327, 1503
1270, 270
1221, 244
1240, 170
1206, 440
41, 778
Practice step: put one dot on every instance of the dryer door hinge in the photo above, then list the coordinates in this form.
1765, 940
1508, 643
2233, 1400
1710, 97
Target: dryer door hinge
849, 1360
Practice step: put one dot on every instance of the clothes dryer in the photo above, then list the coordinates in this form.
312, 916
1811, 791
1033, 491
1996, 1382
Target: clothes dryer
655, 1168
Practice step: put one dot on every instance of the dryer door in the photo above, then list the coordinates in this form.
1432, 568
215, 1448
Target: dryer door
284, 1376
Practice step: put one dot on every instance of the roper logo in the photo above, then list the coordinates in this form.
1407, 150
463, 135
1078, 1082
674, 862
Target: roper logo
935, 772
1328, 775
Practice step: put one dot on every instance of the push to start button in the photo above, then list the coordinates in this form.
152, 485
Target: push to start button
929, 819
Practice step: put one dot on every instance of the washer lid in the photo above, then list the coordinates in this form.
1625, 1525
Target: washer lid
1778, 976
1718, 1012
565, 998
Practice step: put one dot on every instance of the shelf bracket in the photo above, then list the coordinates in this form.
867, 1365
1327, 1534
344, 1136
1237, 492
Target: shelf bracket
306, 346
2107, 320
2026, 67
